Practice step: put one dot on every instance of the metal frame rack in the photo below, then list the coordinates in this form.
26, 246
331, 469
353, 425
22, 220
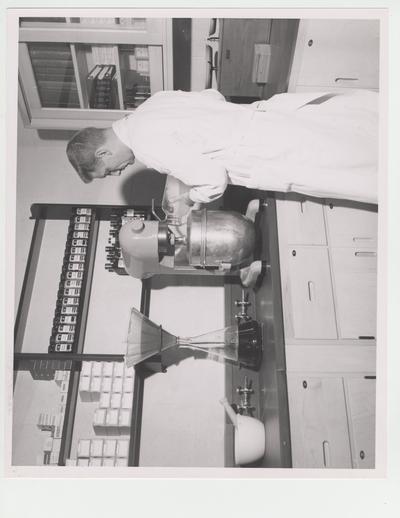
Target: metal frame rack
73, 360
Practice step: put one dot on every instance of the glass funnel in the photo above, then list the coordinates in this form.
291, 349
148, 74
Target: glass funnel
145, 339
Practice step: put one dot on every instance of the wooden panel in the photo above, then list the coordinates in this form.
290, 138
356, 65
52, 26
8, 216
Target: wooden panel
351, 224
283, 40
355, 279
237, 55
360, 395
318, 422
340, 53
301, 221
332, 358
311, 304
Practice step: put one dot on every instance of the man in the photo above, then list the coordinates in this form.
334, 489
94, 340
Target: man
318, 144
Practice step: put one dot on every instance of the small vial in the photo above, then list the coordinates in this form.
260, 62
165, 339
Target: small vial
74, 275
64, 337
70, 301
76, 266
80, 235
83, 211
77, 258
63, 348
69, 310
74, 283
66, 328
82, 226
67, 319
82, 219
78, 250
79, 242
72, 292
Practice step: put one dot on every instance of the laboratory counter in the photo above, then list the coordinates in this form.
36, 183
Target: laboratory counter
269, 400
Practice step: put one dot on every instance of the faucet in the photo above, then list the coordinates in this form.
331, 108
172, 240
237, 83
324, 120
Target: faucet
246, 391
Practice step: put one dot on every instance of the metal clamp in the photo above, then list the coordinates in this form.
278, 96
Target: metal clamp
244, 305
245, 393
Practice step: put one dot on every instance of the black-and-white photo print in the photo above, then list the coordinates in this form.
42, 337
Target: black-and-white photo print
196, 243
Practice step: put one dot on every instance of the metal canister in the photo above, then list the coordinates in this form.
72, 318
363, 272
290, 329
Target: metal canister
217, 238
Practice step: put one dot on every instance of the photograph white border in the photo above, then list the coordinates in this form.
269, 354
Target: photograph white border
382, 357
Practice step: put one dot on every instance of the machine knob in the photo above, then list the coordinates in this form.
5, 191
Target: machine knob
137, 226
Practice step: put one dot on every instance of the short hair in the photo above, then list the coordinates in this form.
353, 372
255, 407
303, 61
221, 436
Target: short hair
81, 151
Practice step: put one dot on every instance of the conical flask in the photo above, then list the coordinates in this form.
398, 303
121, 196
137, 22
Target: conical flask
220, 345
145, 339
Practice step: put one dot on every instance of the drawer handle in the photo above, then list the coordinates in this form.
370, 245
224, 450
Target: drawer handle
365, 254
337, 79
362, 455
311, 294
362, 239
326, 453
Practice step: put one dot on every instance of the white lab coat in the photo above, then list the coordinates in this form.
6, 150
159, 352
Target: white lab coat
318, 144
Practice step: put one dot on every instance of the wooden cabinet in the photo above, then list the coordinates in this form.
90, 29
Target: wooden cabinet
355, 271
255, 56
336, 54
349, 227
318, 422
328, 268
361, 400
237, 55
328, 261
303, 221
332, 421
310, 294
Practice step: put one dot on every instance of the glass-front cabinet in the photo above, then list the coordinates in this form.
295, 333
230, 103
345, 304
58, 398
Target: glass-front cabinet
75, 70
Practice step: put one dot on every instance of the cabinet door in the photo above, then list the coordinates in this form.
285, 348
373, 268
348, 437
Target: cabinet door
310, 292
90, 68
301, 221
349, 224
360, 394
355, 278
341, 53
237, 55
318, 423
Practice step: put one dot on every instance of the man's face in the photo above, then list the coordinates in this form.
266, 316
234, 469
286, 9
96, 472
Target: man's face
113, 164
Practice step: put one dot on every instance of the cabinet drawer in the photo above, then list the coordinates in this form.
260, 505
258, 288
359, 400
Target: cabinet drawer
355, 278
318, 422
310, 293
342, 53
301, 221
361, 401
351, 225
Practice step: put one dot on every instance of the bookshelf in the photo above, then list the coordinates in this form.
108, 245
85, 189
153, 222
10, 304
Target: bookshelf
57, 58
